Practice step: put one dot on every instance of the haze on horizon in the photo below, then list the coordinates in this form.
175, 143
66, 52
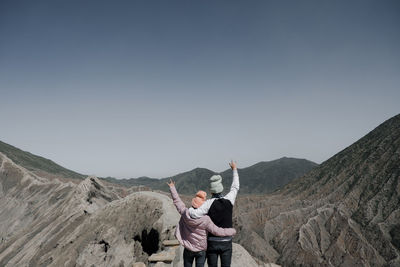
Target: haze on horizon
154, 88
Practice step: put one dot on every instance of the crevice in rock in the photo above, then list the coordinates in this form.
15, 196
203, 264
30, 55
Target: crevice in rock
106, 245
96, 185
149, 241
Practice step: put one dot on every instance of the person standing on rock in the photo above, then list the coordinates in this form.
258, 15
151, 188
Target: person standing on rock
192, 233
219, 208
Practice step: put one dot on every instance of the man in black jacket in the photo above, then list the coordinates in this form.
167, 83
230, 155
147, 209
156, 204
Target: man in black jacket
219, 208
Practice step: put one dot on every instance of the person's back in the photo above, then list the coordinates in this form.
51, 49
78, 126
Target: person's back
220, 213
192, 233
219, 208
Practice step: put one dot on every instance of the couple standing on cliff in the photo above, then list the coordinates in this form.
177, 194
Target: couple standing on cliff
205, 229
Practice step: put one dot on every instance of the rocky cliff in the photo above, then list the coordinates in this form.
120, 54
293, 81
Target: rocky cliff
50, 222
346, 212
53, 223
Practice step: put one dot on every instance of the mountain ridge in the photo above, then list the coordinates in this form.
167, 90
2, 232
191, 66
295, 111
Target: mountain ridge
188, 182
53, 222
345, 212
37, 163
261, 177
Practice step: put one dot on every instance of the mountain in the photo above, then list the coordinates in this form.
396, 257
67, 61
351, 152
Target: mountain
185, 182
267, 176
37, 164
345, 212
260, 178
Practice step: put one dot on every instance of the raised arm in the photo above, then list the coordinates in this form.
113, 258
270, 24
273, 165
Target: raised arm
180, 206
218, 231
231, 196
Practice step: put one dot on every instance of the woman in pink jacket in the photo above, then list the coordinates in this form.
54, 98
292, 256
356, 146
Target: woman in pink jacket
192, 233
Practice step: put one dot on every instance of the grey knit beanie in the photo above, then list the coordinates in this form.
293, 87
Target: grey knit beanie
216, 184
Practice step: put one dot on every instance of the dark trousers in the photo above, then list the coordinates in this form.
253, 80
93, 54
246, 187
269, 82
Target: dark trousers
222, 249
189, 256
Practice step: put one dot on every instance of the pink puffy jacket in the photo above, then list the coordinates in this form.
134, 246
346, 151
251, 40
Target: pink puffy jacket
192, 233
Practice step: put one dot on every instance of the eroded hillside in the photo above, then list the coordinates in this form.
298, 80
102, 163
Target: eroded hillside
346, 212
53, 223
50, 222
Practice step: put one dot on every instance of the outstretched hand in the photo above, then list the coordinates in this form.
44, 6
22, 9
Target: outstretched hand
233, 165
171, 183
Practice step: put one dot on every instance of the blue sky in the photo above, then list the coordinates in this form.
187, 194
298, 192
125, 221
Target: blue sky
132, 88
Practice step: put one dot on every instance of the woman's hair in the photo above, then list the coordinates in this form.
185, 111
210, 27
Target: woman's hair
199, 199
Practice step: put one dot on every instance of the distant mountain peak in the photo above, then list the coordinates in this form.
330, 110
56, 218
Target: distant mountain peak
36, 163
259, 178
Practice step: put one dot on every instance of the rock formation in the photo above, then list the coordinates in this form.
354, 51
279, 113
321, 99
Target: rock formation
346, 212
50, 222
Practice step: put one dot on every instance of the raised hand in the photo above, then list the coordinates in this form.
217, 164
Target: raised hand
233, 165
171, 183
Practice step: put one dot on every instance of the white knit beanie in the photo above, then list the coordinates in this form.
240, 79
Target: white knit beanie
216, 184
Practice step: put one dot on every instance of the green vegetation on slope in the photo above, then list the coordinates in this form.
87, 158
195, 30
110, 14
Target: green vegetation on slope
263, 177
36, 163
266, 177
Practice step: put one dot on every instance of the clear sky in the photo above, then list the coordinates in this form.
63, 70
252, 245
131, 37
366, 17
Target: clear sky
134, 88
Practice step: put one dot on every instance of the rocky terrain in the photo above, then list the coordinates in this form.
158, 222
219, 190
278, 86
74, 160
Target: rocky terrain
260, 178
346, 212
53, 222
